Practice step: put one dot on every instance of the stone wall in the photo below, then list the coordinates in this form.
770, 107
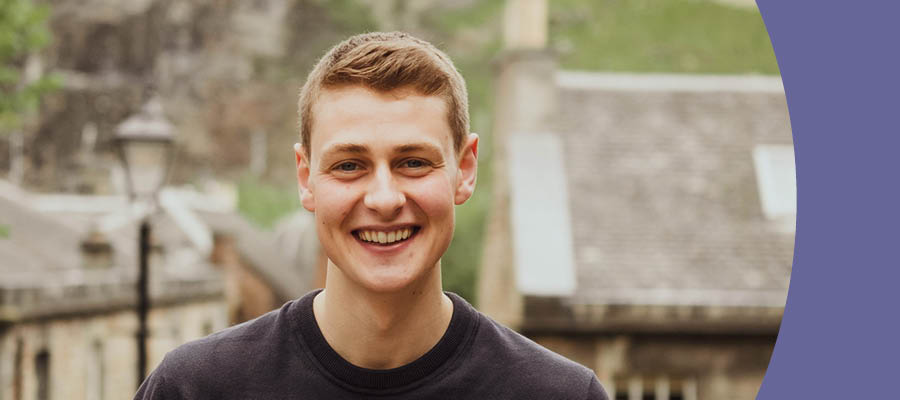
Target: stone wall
95, 356
692, 367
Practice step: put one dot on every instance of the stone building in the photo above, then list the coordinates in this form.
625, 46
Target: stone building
642, 225
67, 295
263, 270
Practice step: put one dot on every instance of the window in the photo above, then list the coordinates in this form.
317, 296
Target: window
776, 179
42, 373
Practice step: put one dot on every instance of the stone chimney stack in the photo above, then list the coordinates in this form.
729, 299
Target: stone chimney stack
525, 24
526, 71
525, 103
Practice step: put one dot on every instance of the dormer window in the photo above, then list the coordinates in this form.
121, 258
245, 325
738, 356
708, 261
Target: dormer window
776, 178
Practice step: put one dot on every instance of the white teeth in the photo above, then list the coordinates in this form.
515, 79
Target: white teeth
385, 237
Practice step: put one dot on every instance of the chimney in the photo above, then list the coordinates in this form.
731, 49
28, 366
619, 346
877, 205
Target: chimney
524, 103
525, 25
526, 72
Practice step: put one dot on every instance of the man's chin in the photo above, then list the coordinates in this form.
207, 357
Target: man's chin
394, 280
389, 285
384, 276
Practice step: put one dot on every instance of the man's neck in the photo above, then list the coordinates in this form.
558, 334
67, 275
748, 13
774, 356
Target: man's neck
382, 330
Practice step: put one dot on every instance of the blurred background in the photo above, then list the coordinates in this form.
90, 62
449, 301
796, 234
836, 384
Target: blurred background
634, 212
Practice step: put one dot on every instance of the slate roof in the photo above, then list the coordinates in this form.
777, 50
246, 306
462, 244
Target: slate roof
42, 264
663, 194
30, 238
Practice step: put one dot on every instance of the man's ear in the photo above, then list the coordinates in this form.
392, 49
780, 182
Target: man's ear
468, 170
303, 187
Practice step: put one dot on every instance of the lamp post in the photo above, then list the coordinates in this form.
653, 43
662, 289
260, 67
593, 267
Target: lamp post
144, 141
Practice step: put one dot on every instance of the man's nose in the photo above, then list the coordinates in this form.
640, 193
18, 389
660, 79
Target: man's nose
383, 195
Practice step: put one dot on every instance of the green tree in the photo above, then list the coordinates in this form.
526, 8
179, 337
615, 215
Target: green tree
23, 33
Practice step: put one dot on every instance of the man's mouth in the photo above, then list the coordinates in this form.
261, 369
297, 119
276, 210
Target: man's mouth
386, 238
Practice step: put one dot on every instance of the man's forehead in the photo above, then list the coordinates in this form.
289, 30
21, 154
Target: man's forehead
399, 98
348, 119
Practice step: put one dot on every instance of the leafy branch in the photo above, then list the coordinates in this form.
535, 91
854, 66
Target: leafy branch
23, 33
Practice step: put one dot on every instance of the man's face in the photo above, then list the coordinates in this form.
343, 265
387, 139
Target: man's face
382, 178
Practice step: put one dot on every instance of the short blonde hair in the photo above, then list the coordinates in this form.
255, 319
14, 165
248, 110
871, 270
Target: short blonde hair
385, 61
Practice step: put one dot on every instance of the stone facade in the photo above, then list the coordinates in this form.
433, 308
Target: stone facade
68, 320
92, 356
681, 366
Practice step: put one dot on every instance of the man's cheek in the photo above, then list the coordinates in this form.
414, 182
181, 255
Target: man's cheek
436, 204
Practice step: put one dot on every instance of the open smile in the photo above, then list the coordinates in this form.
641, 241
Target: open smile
386, 238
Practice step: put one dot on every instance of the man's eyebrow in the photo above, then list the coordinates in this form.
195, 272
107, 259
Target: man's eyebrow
347, 148
409, 148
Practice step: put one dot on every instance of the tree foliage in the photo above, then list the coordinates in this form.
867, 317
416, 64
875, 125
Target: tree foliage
23, 33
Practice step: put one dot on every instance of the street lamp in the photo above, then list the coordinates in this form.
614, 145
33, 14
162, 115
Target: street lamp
145, 145
145, 142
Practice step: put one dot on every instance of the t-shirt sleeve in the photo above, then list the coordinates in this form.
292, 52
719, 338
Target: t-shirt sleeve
154, 388
157, 386
595, 391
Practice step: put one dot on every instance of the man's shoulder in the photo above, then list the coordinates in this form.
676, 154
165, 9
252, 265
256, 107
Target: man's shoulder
520, 363
507, 344
263, 333
230, 355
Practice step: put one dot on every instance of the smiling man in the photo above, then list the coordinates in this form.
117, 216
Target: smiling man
385, 156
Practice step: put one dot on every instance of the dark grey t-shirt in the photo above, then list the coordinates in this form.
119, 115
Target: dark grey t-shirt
283, 355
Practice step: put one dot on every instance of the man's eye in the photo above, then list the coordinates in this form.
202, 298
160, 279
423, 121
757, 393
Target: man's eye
347, 166
414, 163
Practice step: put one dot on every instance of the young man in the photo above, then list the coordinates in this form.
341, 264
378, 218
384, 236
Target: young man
385, 156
